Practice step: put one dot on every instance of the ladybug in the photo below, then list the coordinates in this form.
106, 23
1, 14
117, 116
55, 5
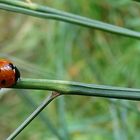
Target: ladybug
9, 74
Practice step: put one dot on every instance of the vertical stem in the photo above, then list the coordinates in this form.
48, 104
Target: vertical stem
62, 118
115, 121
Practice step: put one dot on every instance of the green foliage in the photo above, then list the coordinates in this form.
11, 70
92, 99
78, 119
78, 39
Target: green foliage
56, 50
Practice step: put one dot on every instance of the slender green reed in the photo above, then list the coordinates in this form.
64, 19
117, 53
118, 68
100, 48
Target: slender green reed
50, 13
32, 116
75, 88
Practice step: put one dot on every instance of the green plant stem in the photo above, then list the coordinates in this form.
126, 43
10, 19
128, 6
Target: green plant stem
75, 88
33, 115
50, 13
42, 116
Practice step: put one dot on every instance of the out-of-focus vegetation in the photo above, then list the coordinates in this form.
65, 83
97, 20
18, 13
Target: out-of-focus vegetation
56, 50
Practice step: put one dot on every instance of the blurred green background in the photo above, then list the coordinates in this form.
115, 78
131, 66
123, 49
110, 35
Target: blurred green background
56, 50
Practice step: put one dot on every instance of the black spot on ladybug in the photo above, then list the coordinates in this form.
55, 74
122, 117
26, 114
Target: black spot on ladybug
3, 82
12, 66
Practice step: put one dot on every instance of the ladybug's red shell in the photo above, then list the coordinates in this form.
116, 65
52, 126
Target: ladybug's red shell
9, 74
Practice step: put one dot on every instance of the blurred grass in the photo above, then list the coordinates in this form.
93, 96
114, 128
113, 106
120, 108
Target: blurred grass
73, 53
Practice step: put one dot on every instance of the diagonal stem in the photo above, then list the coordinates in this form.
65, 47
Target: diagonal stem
33, 115
50, 13
42, 116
